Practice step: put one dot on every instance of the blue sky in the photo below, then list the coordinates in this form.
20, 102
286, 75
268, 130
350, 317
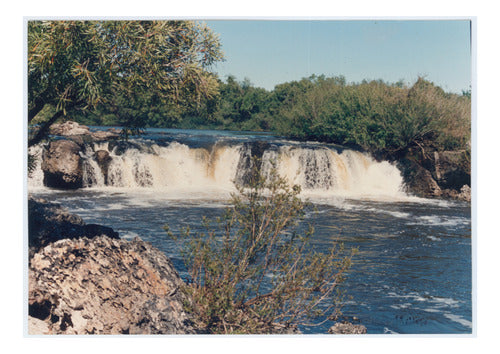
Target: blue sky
269, 52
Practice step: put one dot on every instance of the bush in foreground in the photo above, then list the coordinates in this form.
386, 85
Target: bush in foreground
254, 272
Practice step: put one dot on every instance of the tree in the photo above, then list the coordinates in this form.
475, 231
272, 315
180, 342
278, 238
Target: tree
254, 271
80, 65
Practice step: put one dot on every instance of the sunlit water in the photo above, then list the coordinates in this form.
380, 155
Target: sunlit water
412, 273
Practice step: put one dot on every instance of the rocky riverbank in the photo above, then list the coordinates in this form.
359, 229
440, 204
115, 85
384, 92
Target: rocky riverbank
83, 279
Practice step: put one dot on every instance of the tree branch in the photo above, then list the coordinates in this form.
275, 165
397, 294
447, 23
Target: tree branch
40, 134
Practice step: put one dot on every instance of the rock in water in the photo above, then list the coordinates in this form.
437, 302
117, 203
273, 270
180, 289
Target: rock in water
103, 159
465, 193
62, 165
105, 286
347, 328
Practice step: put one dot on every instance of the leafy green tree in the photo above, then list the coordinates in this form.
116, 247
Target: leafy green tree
119, 65
254, 270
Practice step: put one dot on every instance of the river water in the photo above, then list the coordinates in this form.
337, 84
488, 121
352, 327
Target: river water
411, 275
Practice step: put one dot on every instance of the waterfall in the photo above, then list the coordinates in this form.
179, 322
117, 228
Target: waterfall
320, 170
176, 166
324, 171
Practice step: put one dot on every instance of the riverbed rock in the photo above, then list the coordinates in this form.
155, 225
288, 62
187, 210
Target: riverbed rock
104, 135
105, 286
465, 193
347, 328
69, 128
49, 222
62, 165
430, 173
81, 133
103, 159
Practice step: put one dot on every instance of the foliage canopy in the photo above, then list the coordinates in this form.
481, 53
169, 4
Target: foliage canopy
118, 65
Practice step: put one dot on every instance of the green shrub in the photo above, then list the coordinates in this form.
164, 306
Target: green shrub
254, 272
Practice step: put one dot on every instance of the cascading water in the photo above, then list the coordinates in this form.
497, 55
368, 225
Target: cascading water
323, 171
175, 167
319, 171
177, 177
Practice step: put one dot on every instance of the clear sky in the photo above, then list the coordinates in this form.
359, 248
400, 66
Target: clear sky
269, 52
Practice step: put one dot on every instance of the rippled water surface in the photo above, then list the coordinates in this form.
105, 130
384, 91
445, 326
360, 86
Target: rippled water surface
412, 273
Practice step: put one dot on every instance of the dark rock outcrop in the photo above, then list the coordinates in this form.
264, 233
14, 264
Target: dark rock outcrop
418, 180
445, 174
49, 222
62, 165
105, 286
62, 158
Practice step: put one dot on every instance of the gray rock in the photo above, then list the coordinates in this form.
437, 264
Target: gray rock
105, 286
451, 169
105, 135
347, 328
69, 128
418, 180
465, 193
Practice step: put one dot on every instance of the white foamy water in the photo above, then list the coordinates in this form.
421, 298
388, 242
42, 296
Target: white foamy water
439, 221
458, 319
179, 171
176, 168
324, 172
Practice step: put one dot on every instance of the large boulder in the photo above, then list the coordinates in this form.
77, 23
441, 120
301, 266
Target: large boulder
81, 133
62, 165
105, 286
49, 222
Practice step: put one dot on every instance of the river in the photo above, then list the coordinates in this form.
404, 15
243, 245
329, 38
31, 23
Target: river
412, 274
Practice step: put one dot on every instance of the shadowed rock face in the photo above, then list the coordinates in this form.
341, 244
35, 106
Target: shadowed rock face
445, 174
105, 286
49, 222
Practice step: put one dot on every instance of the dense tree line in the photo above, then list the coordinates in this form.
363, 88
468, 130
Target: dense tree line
374, 116
140, 74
